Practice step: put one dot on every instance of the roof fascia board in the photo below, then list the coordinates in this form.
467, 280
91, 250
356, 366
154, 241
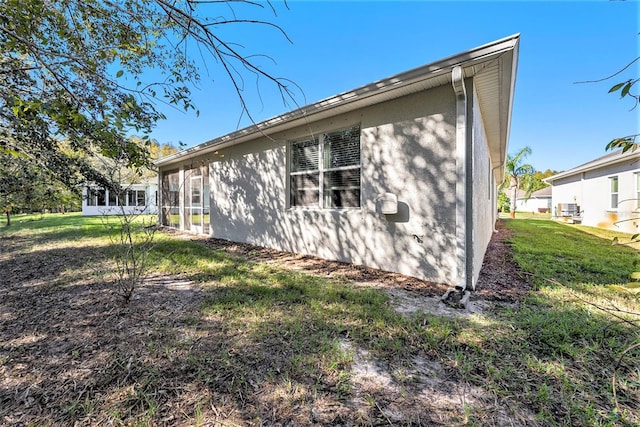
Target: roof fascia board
367, 94
588, 167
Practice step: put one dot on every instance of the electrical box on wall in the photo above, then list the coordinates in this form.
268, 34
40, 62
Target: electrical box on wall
389, 204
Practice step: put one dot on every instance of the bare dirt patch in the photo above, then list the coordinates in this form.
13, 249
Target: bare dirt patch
71, 353
500, 281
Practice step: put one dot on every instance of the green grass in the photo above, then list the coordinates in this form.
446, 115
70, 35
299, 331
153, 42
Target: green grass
572, 255
526, 215
558, 349
552, 355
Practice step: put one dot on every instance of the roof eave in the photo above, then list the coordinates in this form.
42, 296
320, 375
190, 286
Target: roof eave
371, 93
593, 166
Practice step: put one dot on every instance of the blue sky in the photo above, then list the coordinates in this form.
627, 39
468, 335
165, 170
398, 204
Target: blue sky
337, 46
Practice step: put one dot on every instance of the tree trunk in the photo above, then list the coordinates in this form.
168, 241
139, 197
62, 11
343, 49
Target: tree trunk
514, 195
8, 218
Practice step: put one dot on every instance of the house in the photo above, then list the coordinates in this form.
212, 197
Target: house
538, 201
604, 192
399, 175
136, 199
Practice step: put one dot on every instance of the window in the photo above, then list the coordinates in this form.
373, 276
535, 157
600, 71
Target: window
113, 198
92, 195
305, 173
638, 191
614, 192
100, 197
136, 198
325, 171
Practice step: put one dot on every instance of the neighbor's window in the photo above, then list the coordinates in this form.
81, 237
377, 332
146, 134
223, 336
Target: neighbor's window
100, 197
325, 171
614, 192
141, 198
113, 198
136, 198
638, 191
91, 197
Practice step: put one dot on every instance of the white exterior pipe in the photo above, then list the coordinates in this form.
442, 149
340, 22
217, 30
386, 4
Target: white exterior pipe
457, 77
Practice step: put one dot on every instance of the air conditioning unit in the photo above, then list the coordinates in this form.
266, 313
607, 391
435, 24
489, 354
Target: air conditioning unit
568, 209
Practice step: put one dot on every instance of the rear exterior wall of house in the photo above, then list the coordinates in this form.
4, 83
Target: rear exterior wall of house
407, 148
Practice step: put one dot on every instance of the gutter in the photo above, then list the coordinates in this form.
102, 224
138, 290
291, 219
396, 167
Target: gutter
351, 100
607, 160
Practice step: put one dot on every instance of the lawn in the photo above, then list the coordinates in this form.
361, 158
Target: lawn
217, 338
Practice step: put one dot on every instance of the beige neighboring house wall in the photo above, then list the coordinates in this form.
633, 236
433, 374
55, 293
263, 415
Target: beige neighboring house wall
591, 186
432, 142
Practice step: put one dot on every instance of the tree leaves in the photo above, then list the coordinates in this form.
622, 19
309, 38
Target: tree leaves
58, 78
616, 87
627, 143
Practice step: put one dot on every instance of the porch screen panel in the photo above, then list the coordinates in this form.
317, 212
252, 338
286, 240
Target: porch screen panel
171, 199
113, 198
141, 198
92, 196
101, 197
206, 200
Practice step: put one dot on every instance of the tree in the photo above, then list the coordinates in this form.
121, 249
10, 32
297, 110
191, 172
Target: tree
25, 188
518, 176
625, 89
72, 73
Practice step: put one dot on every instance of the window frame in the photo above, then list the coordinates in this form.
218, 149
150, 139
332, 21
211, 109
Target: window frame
637, 176
92, 197
613, 193
323, 172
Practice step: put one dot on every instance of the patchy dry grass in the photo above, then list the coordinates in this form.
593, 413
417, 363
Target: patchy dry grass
215, 338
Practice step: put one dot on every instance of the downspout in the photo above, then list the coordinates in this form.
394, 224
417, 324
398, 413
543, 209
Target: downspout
457, 80
497, 186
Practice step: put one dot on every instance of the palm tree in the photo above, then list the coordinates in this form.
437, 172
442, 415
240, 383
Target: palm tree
518, 176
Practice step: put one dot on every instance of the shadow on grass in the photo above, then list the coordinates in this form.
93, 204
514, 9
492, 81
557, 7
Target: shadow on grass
223, 339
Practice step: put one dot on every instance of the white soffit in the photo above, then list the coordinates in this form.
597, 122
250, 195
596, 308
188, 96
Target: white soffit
492, 66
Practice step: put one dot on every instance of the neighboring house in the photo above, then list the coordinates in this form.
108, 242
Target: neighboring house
602, 193
137, 199
538, 202
400, 175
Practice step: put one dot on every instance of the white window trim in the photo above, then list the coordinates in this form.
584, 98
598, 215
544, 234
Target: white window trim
611, 193
637, 193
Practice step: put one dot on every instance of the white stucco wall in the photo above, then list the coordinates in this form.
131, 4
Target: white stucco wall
533, 204
407, 148
483, 187
592, 192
